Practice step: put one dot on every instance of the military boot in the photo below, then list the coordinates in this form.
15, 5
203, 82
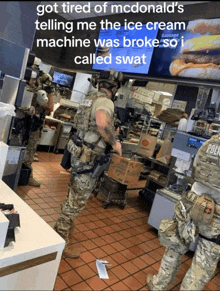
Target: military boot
33, 182
71, 251
149, 280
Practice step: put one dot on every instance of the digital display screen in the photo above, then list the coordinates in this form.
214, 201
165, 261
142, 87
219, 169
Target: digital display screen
194, 55
123, 55
162, 55
194, 143
187, 50
63, 79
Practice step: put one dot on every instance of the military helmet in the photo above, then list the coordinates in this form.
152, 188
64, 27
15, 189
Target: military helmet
37, 62
46, 78
110, 76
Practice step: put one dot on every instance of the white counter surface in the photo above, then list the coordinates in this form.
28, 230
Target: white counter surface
32, 261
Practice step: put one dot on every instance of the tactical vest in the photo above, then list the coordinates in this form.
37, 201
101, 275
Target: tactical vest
83, 119
30, 88
207, 169
39, 110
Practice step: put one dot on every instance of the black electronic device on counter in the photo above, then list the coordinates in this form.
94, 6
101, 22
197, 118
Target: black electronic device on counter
14, 221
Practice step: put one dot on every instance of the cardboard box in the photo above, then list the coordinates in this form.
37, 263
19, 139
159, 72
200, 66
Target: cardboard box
158, 98
143, 94
147, 145
177, 104
157, 109
124, 170
145, 91
142, 98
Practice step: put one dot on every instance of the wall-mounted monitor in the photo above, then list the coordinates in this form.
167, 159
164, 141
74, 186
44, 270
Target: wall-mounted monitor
193, 55
120, 54
63, 79
197, 54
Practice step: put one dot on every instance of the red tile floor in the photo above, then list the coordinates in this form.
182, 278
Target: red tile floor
122, 237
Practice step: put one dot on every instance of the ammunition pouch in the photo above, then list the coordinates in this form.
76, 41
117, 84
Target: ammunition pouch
168, 235
87, 148
86, 154
77, 141
82, 155
203, 209
71, 150
74, 148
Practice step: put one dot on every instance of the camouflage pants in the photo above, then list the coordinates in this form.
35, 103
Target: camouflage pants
79, 191
204, 262
202, 269
31, 149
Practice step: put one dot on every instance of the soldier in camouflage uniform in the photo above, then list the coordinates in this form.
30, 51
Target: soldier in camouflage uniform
94, 124
197, 213
42, 105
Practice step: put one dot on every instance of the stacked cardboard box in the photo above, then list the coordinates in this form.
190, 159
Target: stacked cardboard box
123, 169
153, 101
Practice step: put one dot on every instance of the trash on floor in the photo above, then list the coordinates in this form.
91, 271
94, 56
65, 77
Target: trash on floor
101, 267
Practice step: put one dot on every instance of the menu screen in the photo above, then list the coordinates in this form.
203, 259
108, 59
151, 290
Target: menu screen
194, 54
185, 50
125, 50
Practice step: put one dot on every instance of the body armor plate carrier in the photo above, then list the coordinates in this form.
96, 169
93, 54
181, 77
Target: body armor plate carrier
208, 165
83, 120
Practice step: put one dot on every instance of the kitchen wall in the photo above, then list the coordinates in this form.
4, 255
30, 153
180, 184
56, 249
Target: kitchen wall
17, 21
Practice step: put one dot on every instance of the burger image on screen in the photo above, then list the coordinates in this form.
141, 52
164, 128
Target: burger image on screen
200, 56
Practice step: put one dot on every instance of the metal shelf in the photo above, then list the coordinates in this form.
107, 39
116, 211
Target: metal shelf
153, 160
154, 181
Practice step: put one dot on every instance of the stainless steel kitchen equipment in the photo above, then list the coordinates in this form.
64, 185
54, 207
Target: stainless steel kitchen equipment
50, 132
9, 89
63, 136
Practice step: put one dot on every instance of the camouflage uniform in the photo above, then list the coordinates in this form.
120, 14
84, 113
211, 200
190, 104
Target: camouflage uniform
81, 184
34, 136
194, 217
31, 148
